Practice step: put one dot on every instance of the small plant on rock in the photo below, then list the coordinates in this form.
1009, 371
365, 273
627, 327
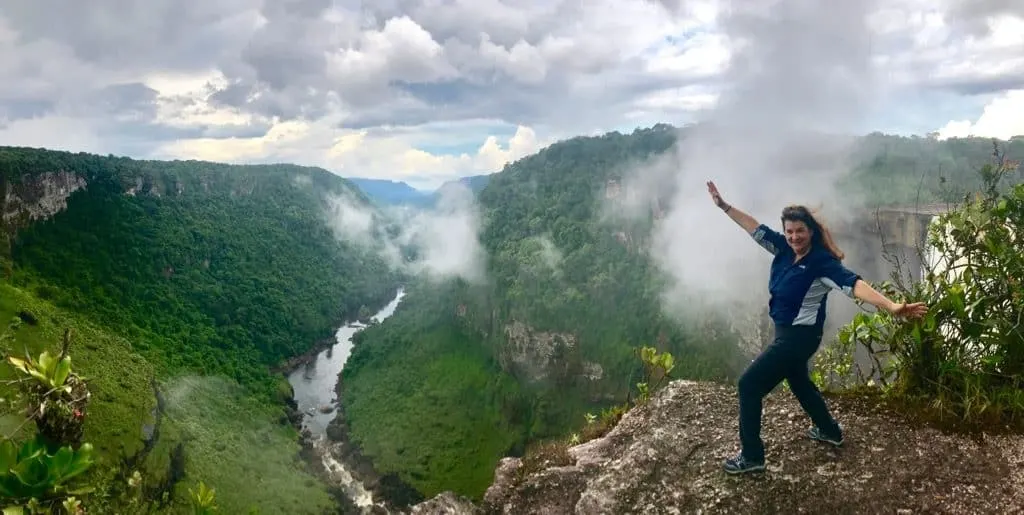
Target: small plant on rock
657, 367
56, 396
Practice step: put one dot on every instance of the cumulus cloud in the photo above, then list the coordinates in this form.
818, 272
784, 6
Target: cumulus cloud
245, 80
248, 80
1002, 118
956, 45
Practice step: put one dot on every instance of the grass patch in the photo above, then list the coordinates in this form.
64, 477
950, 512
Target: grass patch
920, 411
431, 413
234, 444
543, 455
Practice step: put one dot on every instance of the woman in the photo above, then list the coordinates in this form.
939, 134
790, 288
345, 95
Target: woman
806, 266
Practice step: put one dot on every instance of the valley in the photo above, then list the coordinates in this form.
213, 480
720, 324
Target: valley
191, 282
195, 291
467, 373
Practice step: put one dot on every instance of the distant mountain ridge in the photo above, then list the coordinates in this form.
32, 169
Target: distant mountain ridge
391, 192
387, 191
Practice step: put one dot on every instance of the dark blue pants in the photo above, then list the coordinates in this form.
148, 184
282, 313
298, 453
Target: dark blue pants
786, 358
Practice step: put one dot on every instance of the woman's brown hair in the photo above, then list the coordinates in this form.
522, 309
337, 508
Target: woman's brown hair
820, 235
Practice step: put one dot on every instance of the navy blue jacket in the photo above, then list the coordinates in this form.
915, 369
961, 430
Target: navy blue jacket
799, 290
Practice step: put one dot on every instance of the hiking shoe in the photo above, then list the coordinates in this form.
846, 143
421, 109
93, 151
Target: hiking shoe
816, 434
740, 465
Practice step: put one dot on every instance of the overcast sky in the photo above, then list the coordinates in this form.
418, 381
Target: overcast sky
428, 90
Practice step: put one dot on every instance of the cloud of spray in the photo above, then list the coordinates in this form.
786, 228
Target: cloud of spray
549, 254
541, 257
302, 181
799, 83
351, 221
445, 236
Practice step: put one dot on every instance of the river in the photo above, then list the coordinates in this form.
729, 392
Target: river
314, 382
314, 388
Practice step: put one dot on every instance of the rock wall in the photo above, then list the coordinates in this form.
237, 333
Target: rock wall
38, 197
542, 355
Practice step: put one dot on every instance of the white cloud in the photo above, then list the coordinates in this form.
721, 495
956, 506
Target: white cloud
427, 91
1002, 118
705, 54
401, 51
362, 153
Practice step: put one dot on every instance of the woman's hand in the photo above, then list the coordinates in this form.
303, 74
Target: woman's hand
747, 222
915, 310
863, 291
716, 196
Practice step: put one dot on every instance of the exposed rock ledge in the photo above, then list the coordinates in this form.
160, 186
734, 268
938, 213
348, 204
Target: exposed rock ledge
666, 457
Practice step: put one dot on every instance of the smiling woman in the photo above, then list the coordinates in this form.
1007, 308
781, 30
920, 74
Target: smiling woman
806, 266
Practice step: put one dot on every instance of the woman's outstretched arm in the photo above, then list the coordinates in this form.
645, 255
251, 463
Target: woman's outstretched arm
863, 291
747, 222
837, 276
768, 239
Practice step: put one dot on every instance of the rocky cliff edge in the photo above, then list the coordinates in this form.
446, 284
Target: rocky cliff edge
666, 457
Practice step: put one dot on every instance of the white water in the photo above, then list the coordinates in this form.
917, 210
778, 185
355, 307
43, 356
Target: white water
314, 388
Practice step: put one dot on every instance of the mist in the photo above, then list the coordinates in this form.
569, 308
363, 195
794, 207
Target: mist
797, 89
445, 236
352, 222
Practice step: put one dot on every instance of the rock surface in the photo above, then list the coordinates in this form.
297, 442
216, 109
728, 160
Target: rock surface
38, 197
445, 503
666, 457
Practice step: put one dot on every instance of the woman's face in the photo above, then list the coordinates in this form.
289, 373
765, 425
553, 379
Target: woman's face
798, 235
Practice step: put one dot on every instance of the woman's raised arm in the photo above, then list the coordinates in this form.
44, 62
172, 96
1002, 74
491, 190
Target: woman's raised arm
747, 222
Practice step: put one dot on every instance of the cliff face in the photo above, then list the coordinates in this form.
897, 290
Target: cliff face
38, 197
538, 355
666, 457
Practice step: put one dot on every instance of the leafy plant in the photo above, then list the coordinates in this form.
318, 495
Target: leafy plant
202, 500
31, 471
656, 366
57, 397
51, 372
834, 365
965, 359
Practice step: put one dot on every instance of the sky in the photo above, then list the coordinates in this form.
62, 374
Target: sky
425, 91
